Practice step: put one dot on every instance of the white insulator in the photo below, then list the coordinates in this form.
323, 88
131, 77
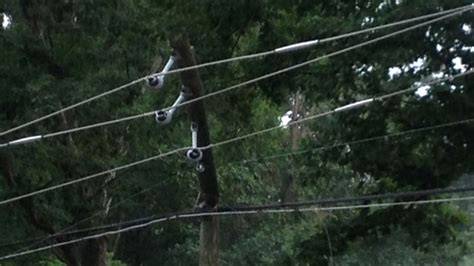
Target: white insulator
25, 140
156, 81
354, 105
296, 46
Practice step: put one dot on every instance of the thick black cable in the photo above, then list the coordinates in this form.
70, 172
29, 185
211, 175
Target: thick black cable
332, 202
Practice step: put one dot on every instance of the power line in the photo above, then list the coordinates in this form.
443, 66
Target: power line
68, 231
89, 177
381, 137
308, 206
343, 108
285, 49
213, 145
77, 232
177, 71
133, 117
65, 231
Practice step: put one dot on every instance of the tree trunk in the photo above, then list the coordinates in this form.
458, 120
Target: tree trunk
209, 241
209, 193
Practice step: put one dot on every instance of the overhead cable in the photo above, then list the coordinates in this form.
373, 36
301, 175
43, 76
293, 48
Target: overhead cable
360, 141
253, 134
309, 206
67, 231
225, 90
285, 49
89, 177
335, 110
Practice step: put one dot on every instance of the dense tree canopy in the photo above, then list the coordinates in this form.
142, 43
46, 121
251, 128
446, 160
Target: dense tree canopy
56, 53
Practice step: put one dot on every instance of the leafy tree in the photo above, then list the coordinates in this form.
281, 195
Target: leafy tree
55, 53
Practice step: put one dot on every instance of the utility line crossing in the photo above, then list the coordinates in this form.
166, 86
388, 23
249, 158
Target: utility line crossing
289, 48
307, 206
225, 142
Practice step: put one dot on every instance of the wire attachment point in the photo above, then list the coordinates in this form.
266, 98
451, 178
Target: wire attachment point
163, 117
157, 81
200, 167
195, 154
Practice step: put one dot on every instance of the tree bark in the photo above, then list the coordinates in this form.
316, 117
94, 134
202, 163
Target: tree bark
209, 193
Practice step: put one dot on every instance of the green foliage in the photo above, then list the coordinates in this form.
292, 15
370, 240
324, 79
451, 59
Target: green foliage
56, 53
56, 262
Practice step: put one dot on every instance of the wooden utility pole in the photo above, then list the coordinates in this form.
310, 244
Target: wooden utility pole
209, 193
295, 113
288, 182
